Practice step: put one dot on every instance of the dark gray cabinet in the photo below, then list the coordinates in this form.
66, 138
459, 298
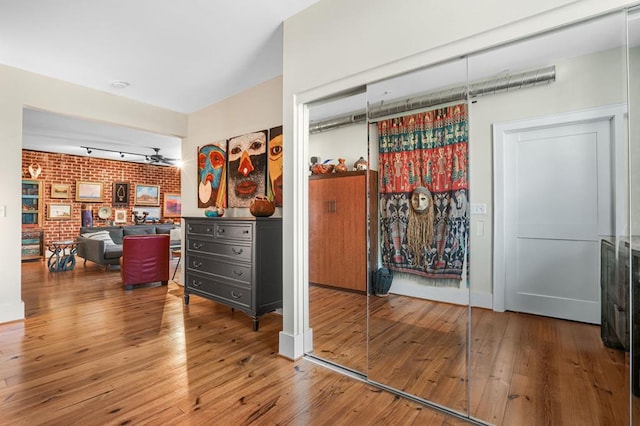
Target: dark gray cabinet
236, 262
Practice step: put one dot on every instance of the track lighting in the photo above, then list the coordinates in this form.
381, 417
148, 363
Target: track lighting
89, 151
121, 155
155, 158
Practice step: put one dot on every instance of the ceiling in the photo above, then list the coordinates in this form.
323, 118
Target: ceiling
178, 55
184, 56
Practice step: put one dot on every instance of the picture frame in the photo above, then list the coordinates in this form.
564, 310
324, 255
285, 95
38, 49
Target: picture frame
60, 190
153, 213
121, 193
59, 211
89, 192
147, 195
172, 206
120, 216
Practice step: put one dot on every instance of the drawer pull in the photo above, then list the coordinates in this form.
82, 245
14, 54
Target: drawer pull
237, 273
195, 283
220, 230
236, 295
236, 251
190, 228
196, 264
209, 229
197, 246
246, 231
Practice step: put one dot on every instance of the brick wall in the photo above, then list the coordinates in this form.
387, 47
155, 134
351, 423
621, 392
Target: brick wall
67, 169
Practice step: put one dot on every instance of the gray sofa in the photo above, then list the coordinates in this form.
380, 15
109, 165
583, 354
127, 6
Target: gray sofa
94, 244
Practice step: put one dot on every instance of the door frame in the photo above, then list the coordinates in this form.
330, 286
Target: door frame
616, 115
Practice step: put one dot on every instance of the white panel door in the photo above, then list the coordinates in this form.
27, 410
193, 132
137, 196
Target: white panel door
558, 203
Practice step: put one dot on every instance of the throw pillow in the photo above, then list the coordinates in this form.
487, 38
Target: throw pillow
100, 235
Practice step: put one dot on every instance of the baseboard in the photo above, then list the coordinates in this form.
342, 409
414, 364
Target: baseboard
290, 346
11, 312
456, 296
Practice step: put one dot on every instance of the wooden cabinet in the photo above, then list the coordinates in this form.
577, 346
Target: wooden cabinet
339, 255
32, 211
235, 261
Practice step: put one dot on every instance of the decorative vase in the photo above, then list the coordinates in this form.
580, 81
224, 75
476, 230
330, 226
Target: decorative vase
340, 167
261, 206
360, 164
87, 216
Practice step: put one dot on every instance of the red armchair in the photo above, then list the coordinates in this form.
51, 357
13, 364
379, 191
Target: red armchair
145, 259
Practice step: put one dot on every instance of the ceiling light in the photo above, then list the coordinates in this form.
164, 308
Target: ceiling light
120, 84
121, 155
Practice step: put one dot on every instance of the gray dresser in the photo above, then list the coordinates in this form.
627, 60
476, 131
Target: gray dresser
235, 261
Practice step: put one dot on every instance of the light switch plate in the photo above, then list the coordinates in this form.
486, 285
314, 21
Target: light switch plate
478, 208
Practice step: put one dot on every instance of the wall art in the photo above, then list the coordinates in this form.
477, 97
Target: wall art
247, 168
212, 175
147, 195
89, 192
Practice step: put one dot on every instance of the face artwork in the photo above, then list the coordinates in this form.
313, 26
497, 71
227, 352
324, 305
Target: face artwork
211, 164
247, 168
275, 168
420, 201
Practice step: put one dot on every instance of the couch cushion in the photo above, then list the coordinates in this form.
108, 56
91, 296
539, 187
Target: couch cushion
114, 231
113, 251
139, 230
101, 236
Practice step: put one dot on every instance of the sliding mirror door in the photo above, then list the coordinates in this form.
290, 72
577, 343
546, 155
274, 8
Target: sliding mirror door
418, 330
549, 154
338, 231
633, 256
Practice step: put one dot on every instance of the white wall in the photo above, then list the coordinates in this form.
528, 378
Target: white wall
22, 89
334, 46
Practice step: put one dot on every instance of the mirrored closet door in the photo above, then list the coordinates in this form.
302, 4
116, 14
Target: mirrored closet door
418, 332
548, 152
339, 231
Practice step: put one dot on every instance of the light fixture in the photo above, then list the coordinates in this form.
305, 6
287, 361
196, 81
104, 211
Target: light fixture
89, 151
155, 159
121, 155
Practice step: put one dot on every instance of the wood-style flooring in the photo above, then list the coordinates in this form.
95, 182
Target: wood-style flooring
519, 369
91, 353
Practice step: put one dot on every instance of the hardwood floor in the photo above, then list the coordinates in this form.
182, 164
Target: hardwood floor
523, 369
91, 353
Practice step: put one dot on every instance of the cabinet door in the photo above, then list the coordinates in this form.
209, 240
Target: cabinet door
337, 232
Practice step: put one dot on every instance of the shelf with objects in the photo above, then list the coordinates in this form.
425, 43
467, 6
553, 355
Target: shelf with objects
32, 209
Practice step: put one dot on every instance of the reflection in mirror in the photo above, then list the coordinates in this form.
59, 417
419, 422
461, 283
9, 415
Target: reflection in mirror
338, 232
553, 350
418, 331
633, 276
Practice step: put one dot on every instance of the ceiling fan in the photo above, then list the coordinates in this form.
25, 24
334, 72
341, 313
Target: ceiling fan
159, 158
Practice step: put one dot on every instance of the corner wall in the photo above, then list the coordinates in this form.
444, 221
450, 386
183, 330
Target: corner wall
23, 89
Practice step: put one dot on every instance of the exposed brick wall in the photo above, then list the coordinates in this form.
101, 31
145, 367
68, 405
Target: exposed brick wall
67, 169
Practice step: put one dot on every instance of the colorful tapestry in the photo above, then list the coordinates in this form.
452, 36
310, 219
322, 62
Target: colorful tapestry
428, 149
212, 175
275, 165
247, 168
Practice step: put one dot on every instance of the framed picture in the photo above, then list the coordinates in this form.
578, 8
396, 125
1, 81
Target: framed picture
121, 193
89, 192
120, 216
60, 190
59, 211
147, 195
153, 213
172, 205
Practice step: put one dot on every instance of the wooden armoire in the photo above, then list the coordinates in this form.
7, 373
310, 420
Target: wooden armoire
339, 255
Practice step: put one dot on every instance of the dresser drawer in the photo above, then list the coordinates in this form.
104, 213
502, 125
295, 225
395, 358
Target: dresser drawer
229, 250
225, 293
233, 231
200, 228
237, 273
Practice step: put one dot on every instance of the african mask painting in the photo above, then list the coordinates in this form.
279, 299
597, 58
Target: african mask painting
212, 184
275, 165
247, 168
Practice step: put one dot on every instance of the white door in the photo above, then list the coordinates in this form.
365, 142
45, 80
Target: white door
558, 204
